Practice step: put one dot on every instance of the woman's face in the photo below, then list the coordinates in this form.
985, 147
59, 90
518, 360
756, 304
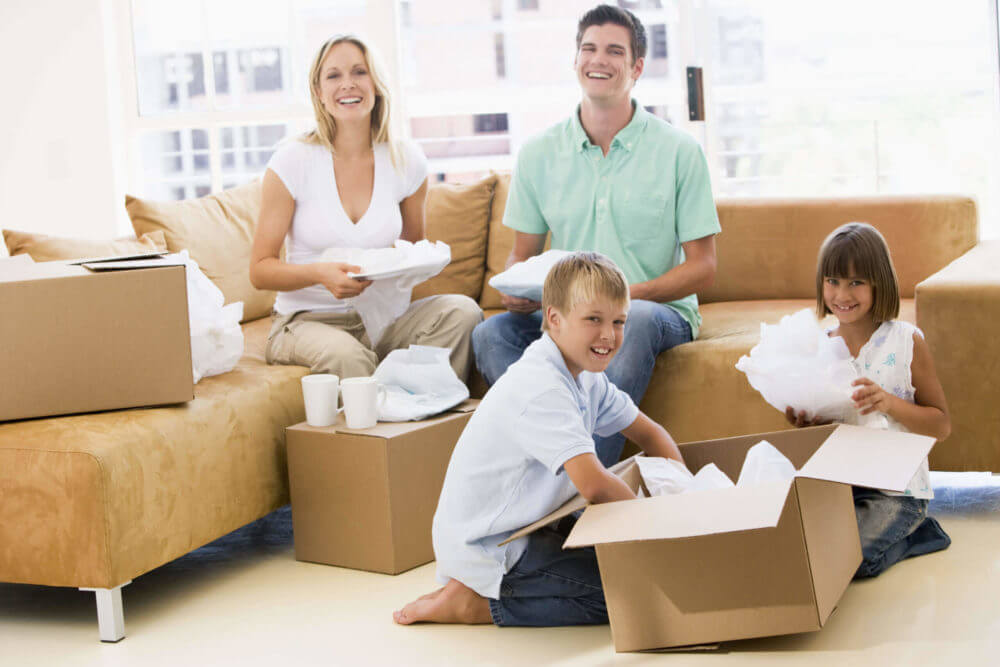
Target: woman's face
345, 84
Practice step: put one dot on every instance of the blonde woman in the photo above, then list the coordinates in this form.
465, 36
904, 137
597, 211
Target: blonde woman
349, 183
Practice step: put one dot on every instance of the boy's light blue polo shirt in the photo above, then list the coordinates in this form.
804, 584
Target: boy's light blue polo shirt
506, 471
637, 204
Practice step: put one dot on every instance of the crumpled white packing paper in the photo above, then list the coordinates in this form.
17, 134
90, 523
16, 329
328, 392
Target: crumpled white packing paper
419, 382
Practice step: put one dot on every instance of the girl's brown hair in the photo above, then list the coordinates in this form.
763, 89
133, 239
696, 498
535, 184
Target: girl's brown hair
858, 250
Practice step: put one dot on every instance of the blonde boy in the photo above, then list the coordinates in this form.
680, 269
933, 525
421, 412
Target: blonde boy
527, 450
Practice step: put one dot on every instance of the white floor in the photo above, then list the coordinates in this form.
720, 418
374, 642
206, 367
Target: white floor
246, 601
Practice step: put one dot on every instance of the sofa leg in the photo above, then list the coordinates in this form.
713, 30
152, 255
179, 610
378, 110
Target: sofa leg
110, 616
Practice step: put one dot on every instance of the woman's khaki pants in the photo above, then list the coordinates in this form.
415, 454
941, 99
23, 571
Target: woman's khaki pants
337, 343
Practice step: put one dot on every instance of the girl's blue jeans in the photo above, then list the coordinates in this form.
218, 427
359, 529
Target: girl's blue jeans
893, 528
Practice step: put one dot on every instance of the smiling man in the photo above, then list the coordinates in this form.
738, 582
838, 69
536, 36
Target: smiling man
615, 179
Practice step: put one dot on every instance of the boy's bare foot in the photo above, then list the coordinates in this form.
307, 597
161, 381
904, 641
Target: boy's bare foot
455, 603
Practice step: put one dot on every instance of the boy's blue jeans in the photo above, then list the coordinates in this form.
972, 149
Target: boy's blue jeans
549, 586
650, 329
893, 528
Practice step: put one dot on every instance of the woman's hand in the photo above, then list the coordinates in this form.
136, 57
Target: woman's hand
799, 419
333, 276
871, 397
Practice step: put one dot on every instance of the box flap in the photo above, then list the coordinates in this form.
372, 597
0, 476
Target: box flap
468, 405
627, 470
131, 264
684, 515
80, 261
868, 457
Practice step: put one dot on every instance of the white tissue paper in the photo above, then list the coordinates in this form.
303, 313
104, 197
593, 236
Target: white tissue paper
216, 336
668, 476
419, 382
525, 279
797, 365
395, 272
764, 463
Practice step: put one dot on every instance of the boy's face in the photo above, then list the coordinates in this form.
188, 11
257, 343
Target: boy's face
589, 335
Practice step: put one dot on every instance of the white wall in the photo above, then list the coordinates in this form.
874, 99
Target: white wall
60, 150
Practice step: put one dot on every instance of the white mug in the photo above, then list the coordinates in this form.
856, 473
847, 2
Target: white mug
320, 393
363, 397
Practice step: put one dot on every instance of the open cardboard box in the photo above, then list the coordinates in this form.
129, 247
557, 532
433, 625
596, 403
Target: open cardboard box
93, 335
365, 498
725, 564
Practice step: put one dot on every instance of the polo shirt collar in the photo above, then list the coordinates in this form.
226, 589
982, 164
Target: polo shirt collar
626, 138
551, 351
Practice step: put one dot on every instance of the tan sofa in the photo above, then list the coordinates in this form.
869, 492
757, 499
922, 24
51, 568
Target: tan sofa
93, 501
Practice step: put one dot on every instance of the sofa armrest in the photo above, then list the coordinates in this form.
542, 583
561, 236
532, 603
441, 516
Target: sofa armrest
958, 309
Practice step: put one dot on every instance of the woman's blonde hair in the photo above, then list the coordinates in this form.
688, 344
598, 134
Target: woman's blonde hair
383, 130
858, 250
582, 277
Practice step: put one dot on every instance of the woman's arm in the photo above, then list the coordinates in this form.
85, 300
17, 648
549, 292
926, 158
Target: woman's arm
652, 438
267, 271
412, 210
928, 415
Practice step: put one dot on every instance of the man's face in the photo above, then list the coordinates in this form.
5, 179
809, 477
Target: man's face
604, 64
589, 334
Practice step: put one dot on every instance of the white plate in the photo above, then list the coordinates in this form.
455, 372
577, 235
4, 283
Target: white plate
376, 275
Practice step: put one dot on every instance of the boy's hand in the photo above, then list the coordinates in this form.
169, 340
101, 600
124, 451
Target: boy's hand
800, 420
871, 397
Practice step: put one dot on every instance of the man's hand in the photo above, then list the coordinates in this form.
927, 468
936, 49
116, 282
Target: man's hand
517, 305
799, 419
333, 276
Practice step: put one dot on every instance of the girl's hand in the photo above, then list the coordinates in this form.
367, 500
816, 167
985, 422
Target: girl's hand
333, 276
870, 397
799, 420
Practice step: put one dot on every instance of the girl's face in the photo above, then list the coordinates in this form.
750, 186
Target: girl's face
849, 298
345, 84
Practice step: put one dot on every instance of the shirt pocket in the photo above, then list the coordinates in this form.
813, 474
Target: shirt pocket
643, 218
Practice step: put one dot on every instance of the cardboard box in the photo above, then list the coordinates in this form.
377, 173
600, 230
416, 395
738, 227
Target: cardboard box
365, 499
81, 338
712, 566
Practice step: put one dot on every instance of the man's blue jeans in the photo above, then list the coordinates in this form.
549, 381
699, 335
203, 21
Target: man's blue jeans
650, 329
893, 528
551, 586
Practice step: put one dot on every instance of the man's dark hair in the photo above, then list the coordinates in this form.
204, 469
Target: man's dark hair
602, 14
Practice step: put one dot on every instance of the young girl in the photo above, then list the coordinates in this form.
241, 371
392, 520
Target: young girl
856, 282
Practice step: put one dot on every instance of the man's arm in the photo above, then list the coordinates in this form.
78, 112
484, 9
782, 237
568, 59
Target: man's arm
695, 273
595, 482
652, 438
525, 246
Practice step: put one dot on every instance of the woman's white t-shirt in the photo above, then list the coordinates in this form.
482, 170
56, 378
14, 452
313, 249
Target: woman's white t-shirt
320, 222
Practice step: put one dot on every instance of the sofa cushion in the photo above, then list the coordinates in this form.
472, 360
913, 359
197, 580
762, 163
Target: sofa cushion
217, 230
42, 248
458, 215
758, 261
95, 500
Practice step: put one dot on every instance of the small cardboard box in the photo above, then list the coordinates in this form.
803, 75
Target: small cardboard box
92, 336
712, 566
365, 499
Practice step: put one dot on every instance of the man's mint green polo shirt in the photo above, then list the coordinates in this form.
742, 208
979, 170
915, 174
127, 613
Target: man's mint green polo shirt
637, 204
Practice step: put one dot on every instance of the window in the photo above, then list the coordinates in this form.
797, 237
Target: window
501, 58
527, 4
218, 83
658, 41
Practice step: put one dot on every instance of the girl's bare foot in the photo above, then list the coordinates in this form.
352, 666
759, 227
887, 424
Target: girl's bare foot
455, 603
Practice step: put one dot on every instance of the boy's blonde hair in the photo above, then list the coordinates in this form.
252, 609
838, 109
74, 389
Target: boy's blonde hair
581, 278
859, 248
